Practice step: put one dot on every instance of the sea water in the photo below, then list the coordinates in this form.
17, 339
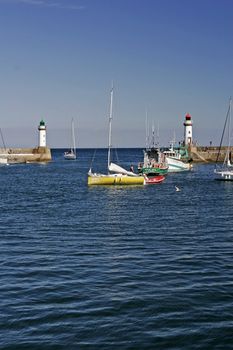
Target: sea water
142, 267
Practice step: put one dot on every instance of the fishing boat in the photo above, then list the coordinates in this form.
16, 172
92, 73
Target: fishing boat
71, 154
225, 171
154, 163
175, 162
116, 175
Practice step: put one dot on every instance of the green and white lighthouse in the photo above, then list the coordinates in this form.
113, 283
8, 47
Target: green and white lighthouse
42, 134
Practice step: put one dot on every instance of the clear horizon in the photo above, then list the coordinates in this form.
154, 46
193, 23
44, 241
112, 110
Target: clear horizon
59, 58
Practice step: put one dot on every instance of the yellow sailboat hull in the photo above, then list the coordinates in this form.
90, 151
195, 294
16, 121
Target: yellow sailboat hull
99, 179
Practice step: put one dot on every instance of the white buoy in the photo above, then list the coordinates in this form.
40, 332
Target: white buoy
42, 134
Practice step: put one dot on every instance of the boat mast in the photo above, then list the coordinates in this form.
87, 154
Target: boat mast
153, 135
110, 128
223, 133
147, 131
73, 136
229, 133
157, 137
4, 145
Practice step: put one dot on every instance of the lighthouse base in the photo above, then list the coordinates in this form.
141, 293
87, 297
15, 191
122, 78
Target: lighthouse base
26, 155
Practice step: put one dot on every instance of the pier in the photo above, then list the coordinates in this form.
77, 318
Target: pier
200, 154
26, 155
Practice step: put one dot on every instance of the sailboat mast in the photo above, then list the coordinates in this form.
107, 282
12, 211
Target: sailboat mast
229, 134
110, 129
73, 136
4, 145
229, 128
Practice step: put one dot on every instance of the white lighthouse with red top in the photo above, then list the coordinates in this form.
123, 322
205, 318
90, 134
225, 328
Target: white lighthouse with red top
188, 130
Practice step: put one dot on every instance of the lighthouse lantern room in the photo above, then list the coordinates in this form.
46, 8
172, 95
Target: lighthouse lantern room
188, 132
42, 134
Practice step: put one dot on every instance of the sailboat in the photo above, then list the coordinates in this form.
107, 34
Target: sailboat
3, 157
225, 172
71, 154
116, 175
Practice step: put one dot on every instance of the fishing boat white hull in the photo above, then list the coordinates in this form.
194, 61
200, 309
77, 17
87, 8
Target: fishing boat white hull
177, 165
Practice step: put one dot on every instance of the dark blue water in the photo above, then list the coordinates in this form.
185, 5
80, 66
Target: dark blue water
112, 267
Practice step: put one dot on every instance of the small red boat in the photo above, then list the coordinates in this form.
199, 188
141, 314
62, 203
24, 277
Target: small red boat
152, 180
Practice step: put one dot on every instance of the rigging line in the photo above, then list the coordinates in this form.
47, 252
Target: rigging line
93, 157
228, 112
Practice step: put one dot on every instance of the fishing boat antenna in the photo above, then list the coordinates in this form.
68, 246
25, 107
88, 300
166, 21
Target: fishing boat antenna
147, 130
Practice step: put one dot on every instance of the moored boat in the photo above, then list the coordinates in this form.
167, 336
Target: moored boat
153, 180
175, 162
116, 175
154, 162
225, 171
71, 154
114, 179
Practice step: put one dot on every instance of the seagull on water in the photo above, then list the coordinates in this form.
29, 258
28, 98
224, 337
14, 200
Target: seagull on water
177, 189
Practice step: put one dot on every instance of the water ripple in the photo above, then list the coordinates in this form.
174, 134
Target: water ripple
114, 268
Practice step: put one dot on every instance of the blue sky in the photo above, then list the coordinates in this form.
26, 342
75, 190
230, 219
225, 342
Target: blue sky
169, 57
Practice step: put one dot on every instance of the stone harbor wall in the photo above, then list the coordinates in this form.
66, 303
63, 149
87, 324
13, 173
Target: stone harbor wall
208, 154
26, 155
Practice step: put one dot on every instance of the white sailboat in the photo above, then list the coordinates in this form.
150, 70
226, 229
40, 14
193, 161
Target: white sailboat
225, 172
116, 175
3, 157
71, 154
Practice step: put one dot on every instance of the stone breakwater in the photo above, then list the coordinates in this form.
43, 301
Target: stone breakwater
26, 155
208, 154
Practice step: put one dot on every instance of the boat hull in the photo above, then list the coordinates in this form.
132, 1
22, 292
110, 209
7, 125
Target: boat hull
69, 156
123, 180
176, 165
154, 163
225, 175
155, 170
154, 179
